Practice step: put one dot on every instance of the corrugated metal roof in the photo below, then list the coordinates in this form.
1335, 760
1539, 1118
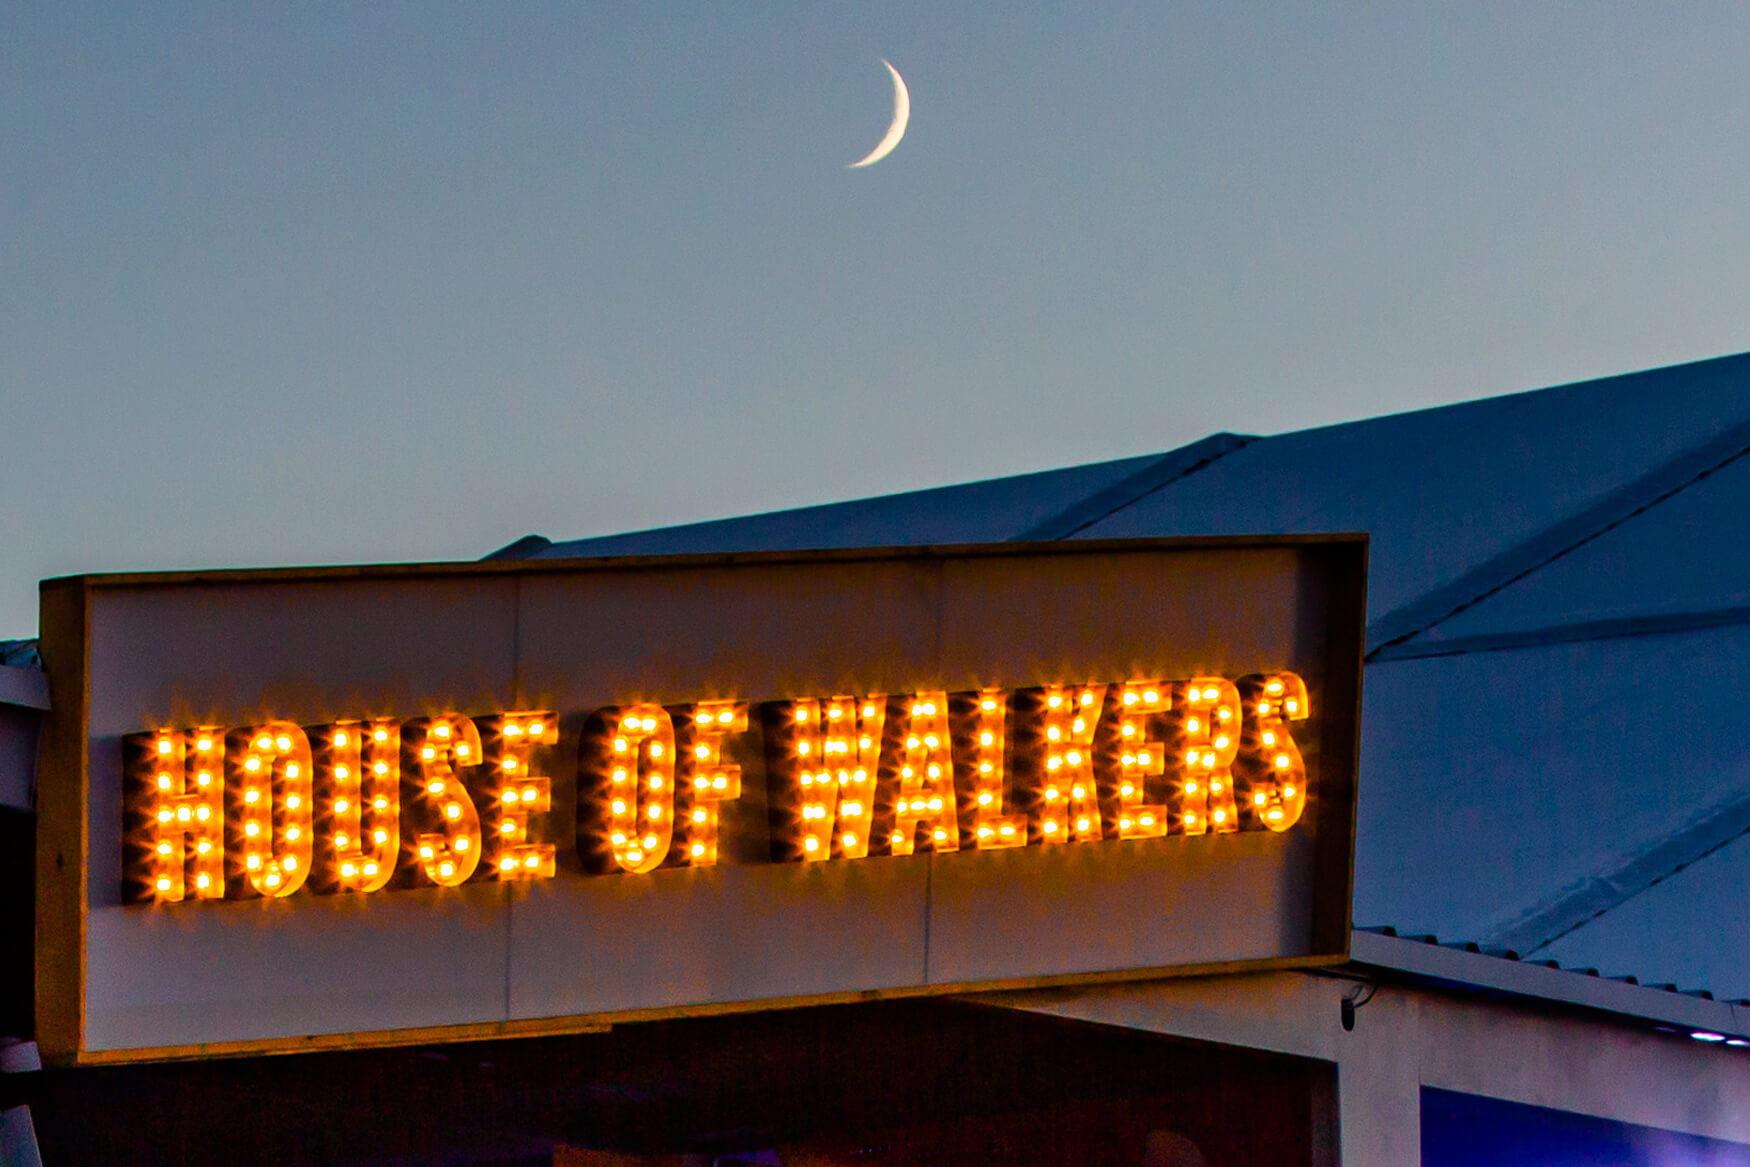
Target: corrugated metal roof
1428, 958
976, 512
1559, 633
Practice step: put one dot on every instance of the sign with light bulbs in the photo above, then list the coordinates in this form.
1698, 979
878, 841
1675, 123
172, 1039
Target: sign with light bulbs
318, 808
359, 806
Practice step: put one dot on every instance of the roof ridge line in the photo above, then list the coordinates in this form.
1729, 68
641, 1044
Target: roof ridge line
1157, 475
1568, 632
1668, 478
1535, 928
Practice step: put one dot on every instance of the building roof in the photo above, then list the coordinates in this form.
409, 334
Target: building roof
1558, 637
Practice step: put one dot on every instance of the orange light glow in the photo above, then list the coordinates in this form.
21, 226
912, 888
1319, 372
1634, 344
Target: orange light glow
707, 779
271, 810
358, 800
175, 840
835, 753
1203, 750
1141, 757
514, 790
1271, 768
1069, 806
271, 841
448, 837
988, 770
644, 761
925, 807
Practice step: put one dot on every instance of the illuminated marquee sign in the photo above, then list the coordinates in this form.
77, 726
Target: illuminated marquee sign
294, 809
360, 805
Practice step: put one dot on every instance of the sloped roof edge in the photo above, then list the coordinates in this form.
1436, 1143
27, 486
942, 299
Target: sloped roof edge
1426, 958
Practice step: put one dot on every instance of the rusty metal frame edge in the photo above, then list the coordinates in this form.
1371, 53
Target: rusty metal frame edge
63, 824
585, 1023
464, 568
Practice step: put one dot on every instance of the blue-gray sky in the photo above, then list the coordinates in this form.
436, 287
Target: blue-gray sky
339, 282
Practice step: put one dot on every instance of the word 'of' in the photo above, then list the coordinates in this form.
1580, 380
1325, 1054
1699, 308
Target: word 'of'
357, 806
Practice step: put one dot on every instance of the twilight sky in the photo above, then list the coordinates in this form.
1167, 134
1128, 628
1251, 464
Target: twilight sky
310, 282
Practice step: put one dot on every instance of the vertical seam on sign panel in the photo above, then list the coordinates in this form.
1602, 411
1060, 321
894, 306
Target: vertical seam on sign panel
930, 867
517, 699
516, 640
83, 801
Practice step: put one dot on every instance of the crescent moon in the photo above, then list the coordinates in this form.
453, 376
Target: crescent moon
896, 131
